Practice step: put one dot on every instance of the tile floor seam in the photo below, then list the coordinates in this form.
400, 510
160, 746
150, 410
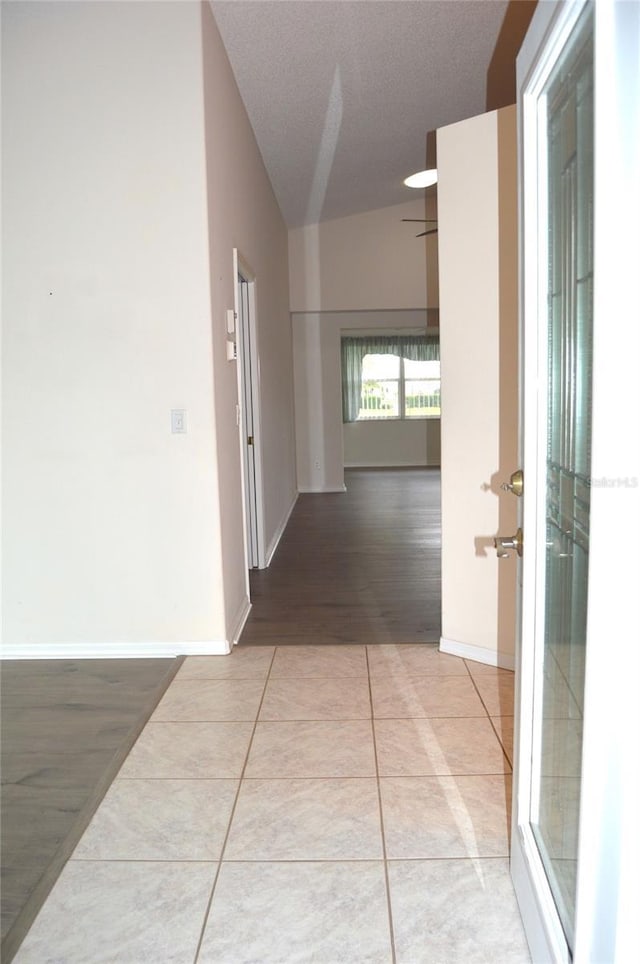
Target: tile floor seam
322, 719
231, 815
476, 688
382, 834
409, 719
400, 677
245, 720
501, 742
183, 722
181, 779
342, 779
253, 860
200, 677
440, 776
370, 776
499, 858
305, 860
296, 676
141, 860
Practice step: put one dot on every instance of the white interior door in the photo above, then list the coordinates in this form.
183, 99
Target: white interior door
248, 393
568, 841
244, 358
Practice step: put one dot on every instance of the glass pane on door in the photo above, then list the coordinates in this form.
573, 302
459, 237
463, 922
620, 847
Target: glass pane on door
567, 115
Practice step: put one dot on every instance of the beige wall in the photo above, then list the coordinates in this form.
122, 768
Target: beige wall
243, 213
119, 537
110, 522
365, 271
408, 441
370, 261
318, 402
478, 336
320, 445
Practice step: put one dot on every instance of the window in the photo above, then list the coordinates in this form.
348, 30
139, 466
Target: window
380, 395
390, 377
397, 387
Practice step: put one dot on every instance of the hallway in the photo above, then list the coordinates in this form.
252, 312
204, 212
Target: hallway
328, 804
361, 566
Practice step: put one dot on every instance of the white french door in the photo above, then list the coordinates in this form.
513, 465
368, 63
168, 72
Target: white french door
573, 780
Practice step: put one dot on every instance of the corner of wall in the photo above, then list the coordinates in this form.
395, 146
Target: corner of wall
477, 235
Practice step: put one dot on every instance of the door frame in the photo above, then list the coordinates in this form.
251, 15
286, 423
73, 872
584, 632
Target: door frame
609, 838
242, 268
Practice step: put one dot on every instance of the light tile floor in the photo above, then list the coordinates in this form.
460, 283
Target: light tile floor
311, 804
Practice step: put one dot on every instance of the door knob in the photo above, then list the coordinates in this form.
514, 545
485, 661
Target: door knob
515, 483
504, 543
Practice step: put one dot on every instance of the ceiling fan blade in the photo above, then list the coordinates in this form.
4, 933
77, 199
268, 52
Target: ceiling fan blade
424, 233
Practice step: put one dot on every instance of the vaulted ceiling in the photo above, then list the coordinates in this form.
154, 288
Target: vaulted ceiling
342, 93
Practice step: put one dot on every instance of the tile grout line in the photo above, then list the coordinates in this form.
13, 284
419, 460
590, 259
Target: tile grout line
382, 834
501, 742
282, 860
341, 777
498, 737
490, 718
475, 686
347, 719
232, 814
333, 719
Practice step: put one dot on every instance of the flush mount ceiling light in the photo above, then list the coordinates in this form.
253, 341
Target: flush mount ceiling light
422, 179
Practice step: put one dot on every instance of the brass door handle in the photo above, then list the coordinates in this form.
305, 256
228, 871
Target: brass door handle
504, 543
515, 483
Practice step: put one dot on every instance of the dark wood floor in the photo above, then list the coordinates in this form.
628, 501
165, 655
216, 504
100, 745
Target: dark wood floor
66, 727
361, 566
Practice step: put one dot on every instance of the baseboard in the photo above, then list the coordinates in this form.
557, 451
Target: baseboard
322, 488
273, 545
150, 650
478, 653
238, 624
202, 647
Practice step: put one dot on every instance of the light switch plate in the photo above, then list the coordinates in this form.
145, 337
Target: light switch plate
178, 421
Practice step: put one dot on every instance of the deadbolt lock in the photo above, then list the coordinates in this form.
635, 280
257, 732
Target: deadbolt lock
515, 483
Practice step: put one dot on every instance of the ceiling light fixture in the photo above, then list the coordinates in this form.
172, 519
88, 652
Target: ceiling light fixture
422, 179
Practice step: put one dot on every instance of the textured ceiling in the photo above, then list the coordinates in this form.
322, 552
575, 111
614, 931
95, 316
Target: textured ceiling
341, 93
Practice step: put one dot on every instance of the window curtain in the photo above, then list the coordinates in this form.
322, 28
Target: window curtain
354, 349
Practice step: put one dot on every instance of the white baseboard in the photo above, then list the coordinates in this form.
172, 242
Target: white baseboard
141, 650
323, 488
238, 623
147, 650
273, 545
480, 654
